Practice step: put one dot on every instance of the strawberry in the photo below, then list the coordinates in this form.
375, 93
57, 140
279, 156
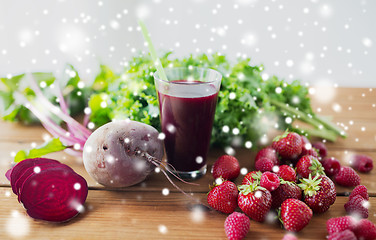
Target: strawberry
362, 163
331, 166
340, 224
254, 176
295, 214
310, 152
237, 226
289, 145
344, 235
287, 173
270, 181
359, 190
268, 152
264, 164
365, 230
255, 201
307, 148
223, 197
309, 165
358, 206
285, 191
226, 167
323, 151
347, 177
319, 192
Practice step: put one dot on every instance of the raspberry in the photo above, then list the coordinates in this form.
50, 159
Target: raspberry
362, 163
237, 226
347, 177
365, 230
340, 224
331, 166
264, 164
344, 235
357, 206
323, 151
226, 167
359, 190
270, 181
287, 173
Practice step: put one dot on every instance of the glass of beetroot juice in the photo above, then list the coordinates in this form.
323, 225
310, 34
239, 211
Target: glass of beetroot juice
187, 102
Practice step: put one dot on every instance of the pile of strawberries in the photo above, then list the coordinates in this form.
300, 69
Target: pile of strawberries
292, 177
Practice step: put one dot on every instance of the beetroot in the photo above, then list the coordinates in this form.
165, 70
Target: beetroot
48, 190
17, 170
122, 153
56, 194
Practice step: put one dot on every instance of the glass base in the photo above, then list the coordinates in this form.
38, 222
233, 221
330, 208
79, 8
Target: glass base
192, 175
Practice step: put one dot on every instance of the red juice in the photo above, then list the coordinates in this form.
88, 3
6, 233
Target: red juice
187, 114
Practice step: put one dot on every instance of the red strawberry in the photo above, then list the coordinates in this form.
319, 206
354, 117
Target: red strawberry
270, 181
310, 152
331, 166
226, 167
309, 165
237, 226
347, 177
255, 201
285, 191
287, 173
323, 151
295, 214
223, 197
340, 224
319, 192
362, 163
264, 164
357, 206
359, 190
365, 230
307, 148
289, 145
344, 235
254, 176
268, 152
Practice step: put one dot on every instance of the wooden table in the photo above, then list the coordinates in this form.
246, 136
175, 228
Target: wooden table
143, 212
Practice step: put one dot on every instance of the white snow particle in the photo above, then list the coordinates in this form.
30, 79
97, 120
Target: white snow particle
248, 144
76, 146
278, 90
171, 128
367, 42
218, 181
230, 151
225, 129
275, 169
289, 63
37, 169
243, 171
235, 131
288, 120
258, 194
77, 186
162, 229
165, 191
17, 225
199, 159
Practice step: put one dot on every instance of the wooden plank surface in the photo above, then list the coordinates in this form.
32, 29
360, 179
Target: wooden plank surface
142, 211
141, 215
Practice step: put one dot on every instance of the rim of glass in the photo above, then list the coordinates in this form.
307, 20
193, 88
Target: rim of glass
156, 76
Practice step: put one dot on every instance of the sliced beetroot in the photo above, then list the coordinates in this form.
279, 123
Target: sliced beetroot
32, 170
55, 194
17, 170
8, 173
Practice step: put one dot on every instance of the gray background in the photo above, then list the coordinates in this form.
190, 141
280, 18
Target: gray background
319, 42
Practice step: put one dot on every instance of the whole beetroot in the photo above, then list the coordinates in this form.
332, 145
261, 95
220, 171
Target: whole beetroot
122, 153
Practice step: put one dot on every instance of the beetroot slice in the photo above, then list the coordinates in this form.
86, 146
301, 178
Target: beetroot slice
8, 173
55, 194
30, 171
25, 164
